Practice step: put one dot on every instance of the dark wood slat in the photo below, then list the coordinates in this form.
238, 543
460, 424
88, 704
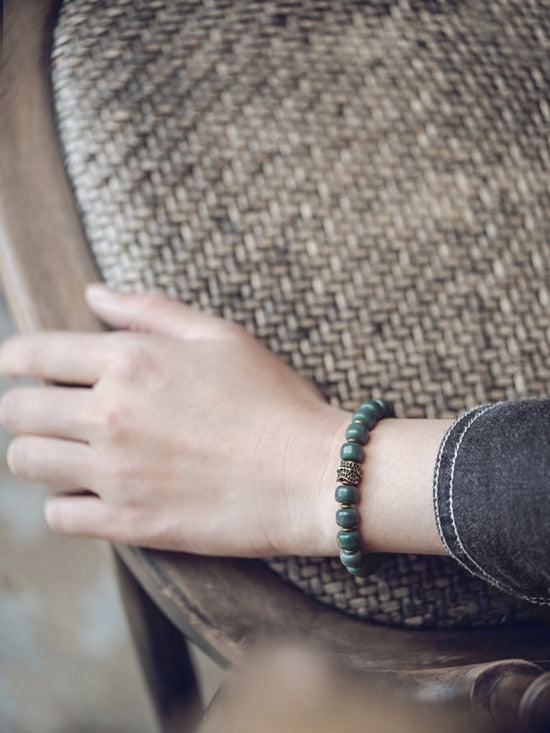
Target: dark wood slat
164, 657
223, 604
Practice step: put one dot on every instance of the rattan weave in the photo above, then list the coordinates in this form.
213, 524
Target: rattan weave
363, 185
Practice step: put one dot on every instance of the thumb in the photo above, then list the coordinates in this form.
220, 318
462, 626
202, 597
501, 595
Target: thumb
156, 313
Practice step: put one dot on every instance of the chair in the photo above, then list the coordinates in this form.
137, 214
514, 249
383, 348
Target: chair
494, 677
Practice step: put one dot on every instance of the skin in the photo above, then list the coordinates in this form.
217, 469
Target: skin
178, 430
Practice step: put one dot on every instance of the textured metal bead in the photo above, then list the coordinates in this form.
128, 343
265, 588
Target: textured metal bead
349, 472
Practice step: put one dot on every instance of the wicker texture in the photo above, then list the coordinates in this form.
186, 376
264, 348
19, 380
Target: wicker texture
363, 185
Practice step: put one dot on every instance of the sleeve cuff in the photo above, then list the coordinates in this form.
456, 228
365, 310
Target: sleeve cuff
492, 496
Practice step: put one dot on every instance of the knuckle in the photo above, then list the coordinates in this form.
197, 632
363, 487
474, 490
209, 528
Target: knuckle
31, 355
145, 304
132, 360
124, 361
111, 420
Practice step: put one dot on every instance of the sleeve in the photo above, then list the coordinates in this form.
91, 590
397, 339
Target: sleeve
492, 496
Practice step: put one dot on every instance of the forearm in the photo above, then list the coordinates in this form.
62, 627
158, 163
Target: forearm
477, 489
396, 506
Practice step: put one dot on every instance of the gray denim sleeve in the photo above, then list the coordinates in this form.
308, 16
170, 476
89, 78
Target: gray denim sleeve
492, 496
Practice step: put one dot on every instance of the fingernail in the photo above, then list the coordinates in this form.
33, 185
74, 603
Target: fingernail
99, 292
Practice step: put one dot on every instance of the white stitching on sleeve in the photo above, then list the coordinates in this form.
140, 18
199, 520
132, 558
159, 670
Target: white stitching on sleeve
437, 472
493, 581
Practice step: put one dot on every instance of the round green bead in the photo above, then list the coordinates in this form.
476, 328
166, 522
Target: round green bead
370, 564
367, 415
361, 572
378, 403
349, 540
346, 494
358, 432
387, 409
352, 452
352, 559
347, 517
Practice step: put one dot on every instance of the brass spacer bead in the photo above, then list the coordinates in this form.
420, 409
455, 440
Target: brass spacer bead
349, 472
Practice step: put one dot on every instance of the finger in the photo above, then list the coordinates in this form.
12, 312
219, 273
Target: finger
58, 412
77, 514
156, 313
52, 461
58, 356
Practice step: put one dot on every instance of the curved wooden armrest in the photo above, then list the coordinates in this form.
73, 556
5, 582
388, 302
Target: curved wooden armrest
223, 605
44, 258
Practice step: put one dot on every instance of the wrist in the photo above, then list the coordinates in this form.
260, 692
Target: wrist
307, 527
396, 495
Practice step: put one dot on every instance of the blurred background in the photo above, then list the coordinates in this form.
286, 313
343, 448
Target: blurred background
67, 663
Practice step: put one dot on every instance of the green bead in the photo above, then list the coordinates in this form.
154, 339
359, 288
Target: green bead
346, 494
352, 452
367, 415
378, 403
360, 572
347, 517
358, 432
387, 408
352, 559
371, 563
349, 540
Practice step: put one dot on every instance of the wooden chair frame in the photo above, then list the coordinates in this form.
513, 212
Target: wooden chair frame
222, 605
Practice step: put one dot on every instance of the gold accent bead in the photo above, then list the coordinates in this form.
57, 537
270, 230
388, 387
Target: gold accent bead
349, 472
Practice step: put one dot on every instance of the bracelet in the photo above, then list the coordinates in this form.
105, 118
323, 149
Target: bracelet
348, 475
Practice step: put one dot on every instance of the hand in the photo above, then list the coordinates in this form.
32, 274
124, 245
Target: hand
178, 431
